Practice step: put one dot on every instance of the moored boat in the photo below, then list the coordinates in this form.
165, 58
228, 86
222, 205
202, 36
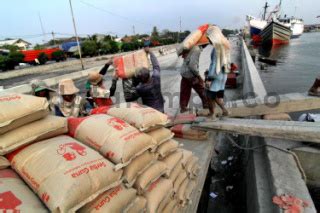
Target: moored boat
275, 33
296, 25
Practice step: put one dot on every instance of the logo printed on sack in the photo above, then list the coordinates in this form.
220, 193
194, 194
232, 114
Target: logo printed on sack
73, 149
45, 197
117, 123
8, 201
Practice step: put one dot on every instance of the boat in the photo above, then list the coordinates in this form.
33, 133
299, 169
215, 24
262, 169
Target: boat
256, 25
296, 25
275, 33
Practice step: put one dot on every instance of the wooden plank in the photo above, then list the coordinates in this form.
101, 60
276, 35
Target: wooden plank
288, 130
204, 150
292, 102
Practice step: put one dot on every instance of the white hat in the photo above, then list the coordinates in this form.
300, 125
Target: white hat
67, 87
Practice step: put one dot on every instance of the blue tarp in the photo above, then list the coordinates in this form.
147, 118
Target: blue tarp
67, 45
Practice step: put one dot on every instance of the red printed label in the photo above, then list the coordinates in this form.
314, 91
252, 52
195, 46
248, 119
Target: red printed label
109, 197
10, 98
70, 151
117, 123
8, 201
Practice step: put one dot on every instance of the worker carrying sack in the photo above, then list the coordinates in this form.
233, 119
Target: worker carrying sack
171, 161
16, 196
64, 173
142, 117
18, 109
115, 139
151, 174
161, 135
137, 166
157, 192
126, 66
47, 127
4, 163
185, 131
137, 206
167, 148
193, 38
111, 201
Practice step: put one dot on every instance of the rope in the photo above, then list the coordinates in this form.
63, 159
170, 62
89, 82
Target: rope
295, 157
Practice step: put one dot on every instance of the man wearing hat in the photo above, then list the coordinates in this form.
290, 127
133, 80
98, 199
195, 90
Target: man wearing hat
41, 89
68, 103
191, 78
149, 88
98, 93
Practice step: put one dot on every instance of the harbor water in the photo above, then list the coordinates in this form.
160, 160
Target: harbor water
297, 66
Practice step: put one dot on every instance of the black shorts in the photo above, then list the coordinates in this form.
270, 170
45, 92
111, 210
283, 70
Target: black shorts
213, 95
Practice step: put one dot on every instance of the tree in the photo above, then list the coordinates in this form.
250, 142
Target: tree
155, 34
43, 58
105, 47
10, 61
39, 47
58, 56
89, 48
12, 48
114, 47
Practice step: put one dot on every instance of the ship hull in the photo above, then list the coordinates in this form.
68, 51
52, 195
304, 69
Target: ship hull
275, 34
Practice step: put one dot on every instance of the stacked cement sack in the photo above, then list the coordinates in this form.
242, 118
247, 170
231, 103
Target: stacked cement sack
120, 161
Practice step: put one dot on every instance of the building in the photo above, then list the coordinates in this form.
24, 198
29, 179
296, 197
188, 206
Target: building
22, 44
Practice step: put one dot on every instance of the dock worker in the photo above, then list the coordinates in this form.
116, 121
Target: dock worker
191, 78
315, 89
218, 70
41, 89
149, 88
68, 103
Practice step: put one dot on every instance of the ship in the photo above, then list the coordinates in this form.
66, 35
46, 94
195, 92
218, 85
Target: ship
296, 25
275, 33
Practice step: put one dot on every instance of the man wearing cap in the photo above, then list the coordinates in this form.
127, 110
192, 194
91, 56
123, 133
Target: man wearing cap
41, 89
68, 103
191, 78
149, 88
98, 93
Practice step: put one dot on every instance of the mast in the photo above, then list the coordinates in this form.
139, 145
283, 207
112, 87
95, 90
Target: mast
265, 11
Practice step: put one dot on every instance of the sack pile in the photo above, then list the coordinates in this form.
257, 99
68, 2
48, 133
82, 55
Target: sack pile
185, 131
175, 117
142, 117
127, 65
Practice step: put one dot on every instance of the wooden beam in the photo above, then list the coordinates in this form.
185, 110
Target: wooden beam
293, 102
289, 130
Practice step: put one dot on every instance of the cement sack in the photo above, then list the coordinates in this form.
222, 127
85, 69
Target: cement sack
111, 201
156, 193
137, 166
194, 171
185, 131
176, 171
47, 127
172, 161
17, 110
170, 206
177, 183
151, 174
185, 191
175, 117
137, 206
142, 117
167, 148
278, 116
194, 37
4, 163
115, 139
161, 135
192, 166
126, 66
187, 156
64, 173
165, 202
16, 196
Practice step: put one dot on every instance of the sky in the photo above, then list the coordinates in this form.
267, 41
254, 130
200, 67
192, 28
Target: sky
20, 19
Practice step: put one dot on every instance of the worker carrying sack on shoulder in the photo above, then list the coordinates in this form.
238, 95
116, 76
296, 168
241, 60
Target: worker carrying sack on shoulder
113, 200
112, 137
127, 65
47, 127
16, 196
142, 117
18, 109
64, 173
